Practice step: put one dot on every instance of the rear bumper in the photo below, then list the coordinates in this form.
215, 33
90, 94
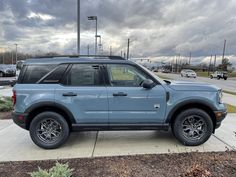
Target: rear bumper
220, 116
20, 119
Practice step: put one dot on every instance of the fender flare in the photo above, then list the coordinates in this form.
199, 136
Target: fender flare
185, 103
51, 104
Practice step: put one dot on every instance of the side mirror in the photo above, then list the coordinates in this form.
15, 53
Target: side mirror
148, 84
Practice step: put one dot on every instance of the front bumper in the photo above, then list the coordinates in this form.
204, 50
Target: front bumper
20, 119
220, 116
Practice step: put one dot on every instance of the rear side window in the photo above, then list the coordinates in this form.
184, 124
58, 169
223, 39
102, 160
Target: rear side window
56, 75
34, 73
84, 75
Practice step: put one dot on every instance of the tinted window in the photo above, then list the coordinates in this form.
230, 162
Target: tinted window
125, 75
56, 75
84, 75
34, 73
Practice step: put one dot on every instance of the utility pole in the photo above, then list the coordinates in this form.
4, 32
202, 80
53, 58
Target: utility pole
223, 55
209, 66
110, 50
88, 49
124, 54
190, 55
215, 63
78, 27
12, 57
128, 50
179, 62
16, 52
3, 57
176, 64
121, 53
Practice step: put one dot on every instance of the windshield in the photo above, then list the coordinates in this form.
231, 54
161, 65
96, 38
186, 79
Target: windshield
189, 71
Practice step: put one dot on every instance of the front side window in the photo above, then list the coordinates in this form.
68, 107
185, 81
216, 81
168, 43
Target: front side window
125, 75
84, 75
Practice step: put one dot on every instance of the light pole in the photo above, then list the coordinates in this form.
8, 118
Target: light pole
95, 18
78, 27
16, 51
128, 49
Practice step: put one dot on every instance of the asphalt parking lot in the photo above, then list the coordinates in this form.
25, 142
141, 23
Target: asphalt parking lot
16, 145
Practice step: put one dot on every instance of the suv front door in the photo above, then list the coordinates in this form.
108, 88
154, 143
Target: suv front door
84, 94
129, 102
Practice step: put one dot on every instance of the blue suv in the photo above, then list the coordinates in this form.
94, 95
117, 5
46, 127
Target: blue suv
57, 95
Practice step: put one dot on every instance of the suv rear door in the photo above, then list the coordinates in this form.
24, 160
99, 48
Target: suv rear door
129, 102
83, 92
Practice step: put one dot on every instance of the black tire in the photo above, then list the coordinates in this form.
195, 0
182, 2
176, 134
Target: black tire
225, 78
59, 125
197, 115
211, 77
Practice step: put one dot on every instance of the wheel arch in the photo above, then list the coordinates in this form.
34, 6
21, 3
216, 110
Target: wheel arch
38, 108
208, 108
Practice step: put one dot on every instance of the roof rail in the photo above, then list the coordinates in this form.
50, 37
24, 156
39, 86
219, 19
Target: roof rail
92, 56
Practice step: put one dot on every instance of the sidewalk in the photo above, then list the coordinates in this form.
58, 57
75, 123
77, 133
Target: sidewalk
16, 145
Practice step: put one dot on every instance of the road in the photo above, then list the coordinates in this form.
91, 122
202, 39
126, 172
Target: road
229, 85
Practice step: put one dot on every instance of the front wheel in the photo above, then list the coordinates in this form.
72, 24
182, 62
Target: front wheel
49, 130
192, 127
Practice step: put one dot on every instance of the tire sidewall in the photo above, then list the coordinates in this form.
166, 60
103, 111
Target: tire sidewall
177, 127
64, 134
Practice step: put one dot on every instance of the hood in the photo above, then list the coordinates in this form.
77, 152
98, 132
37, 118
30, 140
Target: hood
192, 86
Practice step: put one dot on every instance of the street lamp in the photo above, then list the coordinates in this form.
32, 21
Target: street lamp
94, 18
100, 43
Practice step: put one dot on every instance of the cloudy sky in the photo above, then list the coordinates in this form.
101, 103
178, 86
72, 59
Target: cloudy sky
156, 28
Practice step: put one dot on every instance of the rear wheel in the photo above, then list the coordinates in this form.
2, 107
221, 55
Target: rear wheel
49, 130
192, 127
225, 78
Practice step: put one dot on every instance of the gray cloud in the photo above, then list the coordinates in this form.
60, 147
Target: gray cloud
156, 28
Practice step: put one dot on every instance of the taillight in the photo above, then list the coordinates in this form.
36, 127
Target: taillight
14, 97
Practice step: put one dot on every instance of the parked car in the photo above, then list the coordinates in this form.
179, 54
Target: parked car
219, 75
58, 95
7, 70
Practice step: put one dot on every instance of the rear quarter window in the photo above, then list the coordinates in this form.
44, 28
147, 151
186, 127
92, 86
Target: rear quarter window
34, 73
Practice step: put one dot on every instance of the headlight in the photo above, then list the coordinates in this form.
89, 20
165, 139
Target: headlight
220, 95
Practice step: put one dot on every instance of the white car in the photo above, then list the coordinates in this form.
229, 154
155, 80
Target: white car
188, 73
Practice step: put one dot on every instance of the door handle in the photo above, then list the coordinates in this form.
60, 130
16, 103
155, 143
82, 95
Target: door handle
69, 94
120, 94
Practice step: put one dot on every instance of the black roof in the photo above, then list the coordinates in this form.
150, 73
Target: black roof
75, 59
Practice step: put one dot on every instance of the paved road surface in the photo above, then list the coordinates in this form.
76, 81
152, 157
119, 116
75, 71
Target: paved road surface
16, 145
229, 84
